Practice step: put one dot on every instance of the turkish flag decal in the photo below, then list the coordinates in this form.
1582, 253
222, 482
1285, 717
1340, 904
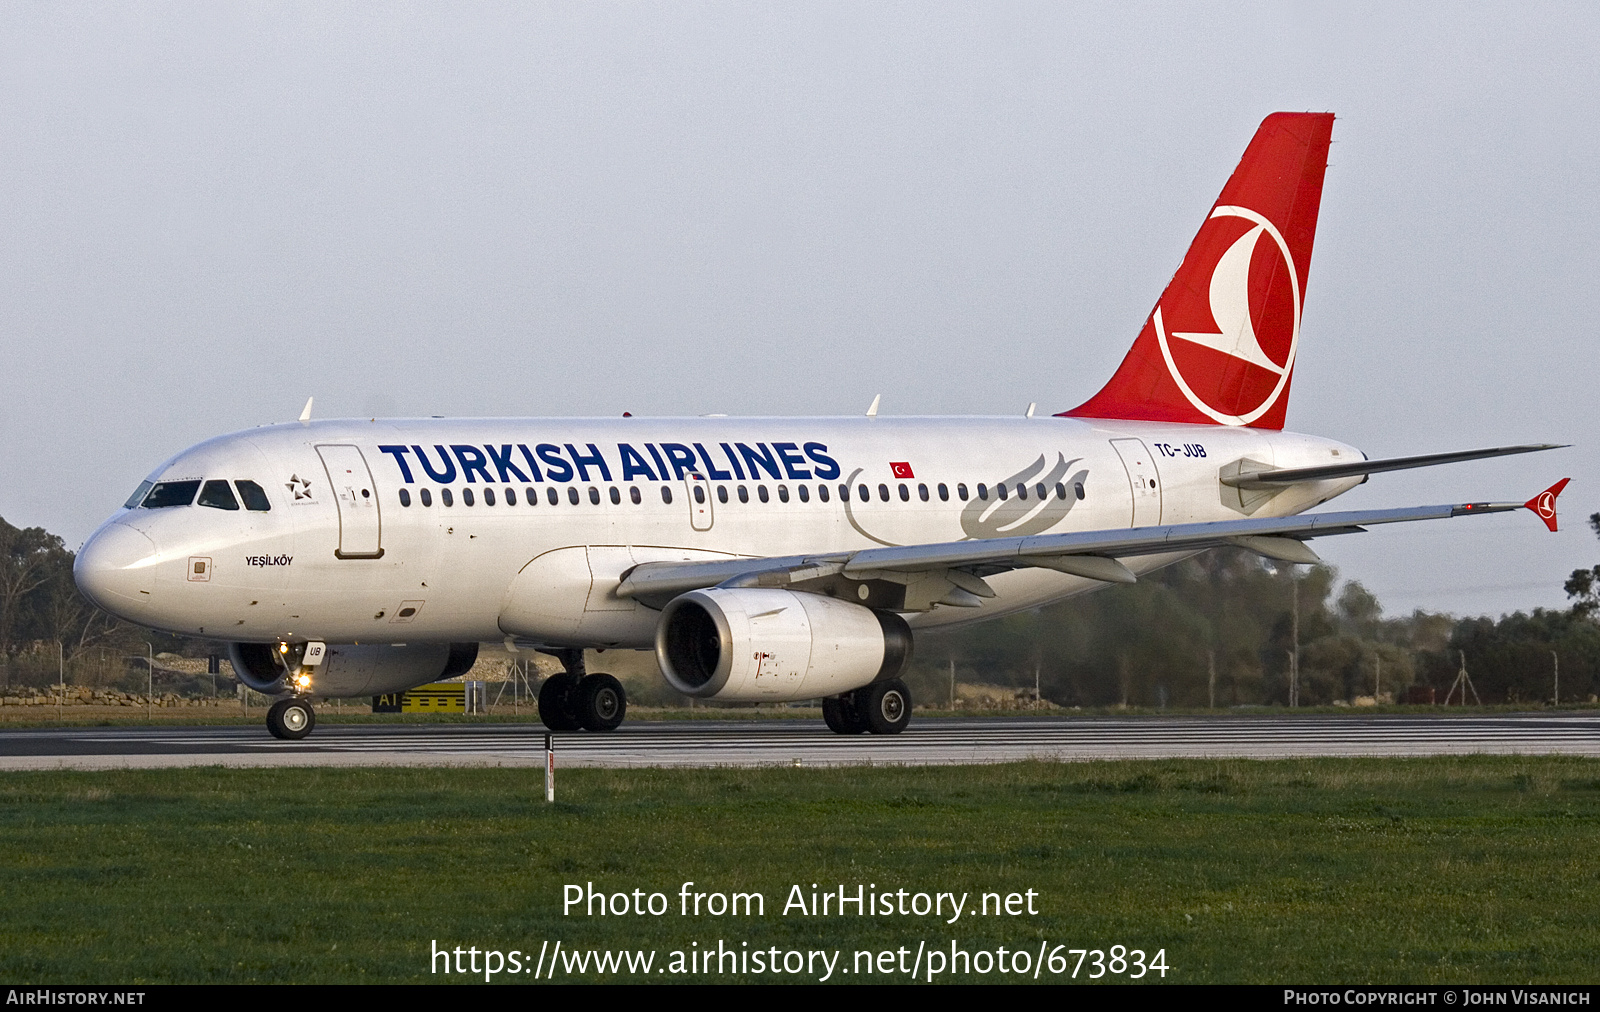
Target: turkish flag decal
901, 469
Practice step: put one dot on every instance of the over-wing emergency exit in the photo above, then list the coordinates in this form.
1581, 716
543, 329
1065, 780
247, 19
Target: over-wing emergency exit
762, 559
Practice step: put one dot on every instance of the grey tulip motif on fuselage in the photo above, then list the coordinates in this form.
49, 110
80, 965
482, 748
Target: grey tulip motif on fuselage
1019, 516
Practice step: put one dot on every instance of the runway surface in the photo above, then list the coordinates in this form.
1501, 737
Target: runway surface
804, 742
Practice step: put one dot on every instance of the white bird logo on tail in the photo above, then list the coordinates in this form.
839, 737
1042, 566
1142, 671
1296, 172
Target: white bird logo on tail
1230, 310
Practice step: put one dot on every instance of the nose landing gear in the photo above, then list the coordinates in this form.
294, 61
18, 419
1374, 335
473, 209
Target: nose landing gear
291, 719
573, 699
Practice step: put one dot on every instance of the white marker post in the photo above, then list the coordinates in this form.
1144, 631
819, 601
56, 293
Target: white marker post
549, 767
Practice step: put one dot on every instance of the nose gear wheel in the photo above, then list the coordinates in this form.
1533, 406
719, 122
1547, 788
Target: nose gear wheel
291, 719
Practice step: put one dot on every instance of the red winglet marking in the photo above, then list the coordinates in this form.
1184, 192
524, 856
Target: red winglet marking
1544, 504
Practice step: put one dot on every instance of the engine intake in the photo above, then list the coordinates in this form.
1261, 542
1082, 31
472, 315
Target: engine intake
776, 645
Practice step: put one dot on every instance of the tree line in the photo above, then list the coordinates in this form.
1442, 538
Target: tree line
46, 625
1224, 628
1228, 628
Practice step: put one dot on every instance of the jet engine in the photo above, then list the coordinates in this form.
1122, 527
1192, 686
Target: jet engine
776, 645
349, 670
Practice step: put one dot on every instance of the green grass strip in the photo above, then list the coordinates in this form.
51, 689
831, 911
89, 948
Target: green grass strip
1460, 870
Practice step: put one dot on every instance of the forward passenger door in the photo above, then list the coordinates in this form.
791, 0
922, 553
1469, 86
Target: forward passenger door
360, 527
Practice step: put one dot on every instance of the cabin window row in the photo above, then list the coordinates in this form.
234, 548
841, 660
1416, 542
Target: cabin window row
530, 495
863, 493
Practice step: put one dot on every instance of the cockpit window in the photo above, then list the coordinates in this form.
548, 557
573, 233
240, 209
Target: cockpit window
138, 496
218, 495
171, 493
253, 496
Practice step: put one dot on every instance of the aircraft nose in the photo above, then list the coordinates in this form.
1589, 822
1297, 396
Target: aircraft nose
113, 569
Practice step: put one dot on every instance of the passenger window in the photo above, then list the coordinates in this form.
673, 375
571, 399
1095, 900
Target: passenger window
922, 492
254, 498
633, 493
944, 492
138, 495
699, 495
572, 494
511, 497
466, 497
427, 497
552, 496
844, 493
488, 497
905, 493
761, 493
616, 496
1044, 493
983, 491
445, 498
1077, 489
744, 494
666, 495
1000, 490
863, 493
405, 498
961, 491
722, 493
218, 495
1061, 491
1022, 491
822, 492
805, 493
783, 493
171, 493
883, 492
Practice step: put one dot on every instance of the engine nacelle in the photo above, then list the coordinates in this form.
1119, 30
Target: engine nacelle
350, 670
759, 645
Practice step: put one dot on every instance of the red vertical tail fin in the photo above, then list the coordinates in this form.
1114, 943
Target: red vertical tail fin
1219, 346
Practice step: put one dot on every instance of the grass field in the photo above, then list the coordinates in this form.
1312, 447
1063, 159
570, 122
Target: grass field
1450, 869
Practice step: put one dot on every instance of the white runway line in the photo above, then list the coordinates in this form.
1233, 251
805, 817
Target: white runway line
766, 743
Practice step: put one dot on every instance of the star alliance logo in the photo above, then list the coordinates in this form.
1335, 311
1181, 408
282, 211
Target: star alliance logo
299, 487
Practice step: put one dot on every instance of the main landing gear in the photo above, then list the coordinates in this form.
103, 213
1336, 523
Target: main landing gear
573, 699
881, 708
291, 719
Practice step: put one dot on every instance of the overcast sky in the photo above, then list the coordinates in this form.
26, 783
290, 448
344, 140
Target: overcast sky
209, 212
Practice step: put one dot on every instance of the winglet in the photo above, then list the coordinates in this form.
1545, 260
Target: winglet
305, 416
1544, 504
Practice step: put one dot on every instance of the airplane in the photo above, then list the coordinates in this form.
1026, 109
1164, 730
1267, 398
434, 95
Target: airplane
762, 559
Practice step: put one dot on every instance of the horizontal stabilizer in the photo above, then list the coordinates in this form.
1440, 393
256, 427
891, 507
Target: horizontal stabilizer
1266, 478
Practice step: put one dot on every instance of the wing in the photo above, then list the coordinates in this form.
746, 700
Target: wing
952, 572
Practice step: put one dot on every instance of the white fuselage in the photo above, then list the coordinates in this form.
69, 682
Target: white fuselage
339, 557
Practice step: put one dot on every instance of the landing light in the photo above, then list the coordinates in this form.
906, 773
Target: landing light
303, 681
